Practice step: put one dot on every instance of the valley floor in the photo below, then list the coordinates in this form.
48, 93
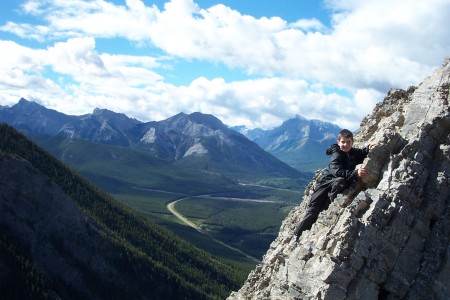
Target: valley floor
183, 219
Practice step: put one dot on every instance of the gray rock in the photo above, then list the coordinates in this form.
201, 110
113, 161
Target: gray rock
392, 241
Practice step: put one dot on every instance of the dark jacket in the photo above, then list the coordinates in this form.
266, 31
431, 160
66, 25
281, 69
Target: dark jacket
342, 164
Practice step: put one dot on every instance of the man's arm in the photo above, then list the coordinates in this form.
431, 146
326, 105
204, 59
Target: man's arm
361, 172
337, 167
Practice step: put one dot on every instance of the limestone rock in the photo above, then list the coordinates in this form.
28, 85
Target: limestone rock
392, 241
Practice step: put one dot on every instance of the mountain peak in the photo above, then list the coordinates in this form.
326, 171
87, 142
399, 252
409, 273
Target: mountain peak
194, 124
207, 119
28, 104
98, 111
299, 142
23, 101
392, 241
103, 111
300, 117
202, 142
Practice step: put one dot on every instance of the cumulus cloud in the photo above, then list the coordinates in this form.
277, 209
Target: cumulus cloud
297, 67
308, 25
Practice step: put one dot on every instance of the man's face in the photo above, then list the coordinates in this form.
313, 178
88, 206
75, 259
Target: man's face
345, 144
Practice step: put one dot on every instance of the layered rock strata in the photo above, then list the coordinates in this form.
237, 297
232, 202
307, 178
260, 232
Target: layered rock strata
392, 241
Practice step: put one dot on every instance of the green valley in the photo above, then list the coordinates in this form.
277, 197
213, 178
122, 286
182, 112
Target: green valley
147, 184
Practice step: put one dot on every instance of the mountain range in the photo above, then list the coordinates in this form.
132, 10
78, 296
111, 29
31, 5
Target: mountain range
196, 140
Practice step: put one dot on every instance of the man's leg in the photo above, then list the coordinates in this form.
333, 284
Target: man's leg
337, 186
315, 205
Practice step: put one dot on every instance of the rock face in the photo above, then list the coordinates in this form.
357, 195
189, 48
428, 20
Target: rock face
392, 241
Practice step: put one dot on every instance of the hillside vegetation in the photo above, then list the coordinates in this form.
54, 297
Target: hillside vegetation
152, 261
146, 184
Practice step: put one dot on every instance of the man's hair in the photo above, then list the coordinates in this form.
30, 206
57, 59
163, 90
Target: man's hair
345, 133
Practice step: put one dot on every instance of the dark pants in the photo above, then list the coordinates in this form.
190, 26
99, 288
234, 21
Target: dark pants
320, 200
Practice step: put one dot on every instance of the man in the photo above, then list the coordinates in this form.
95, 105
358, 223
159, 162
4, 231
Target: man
339, 175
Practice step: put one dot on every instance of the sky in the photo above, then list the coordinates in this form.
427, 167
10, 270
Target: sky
255, 63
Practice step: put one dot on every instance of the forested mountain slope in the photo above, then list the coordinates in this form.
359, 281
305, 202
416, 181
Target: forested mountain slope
61, 237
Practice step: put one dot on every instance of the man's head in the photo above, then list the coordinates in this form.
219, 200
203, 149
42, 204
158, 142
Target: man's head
345, 140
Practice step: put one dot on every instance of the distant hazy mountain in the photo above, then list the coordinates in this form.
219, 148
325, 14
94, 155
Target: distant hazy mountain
197, 141
102, 125
31, 117
299, 142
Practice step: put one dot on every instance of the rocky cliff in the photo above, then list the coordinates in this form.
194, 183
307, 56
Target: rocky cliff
392, 241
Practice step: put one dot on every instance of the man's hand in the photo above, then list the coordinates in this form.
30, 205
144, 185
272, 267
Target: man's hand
362, 172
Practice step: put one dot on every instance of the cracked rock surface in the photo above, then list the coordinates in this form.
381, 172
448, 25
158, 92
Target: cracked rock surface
392, 241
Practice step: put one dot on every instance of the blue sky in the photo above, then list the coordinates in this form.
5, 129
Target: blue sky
248, 62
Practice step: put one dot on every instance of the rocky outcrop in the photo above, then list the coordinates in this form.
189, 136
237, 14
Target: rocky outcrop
392, 241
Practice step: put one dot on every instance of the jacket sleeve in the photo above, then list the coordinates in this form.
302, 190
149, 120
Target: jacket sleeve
337, 167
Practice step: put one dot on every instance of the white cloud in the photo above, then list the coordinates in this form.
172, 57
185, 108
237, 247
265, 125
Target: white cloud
370, 47
308, 25
122, 83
